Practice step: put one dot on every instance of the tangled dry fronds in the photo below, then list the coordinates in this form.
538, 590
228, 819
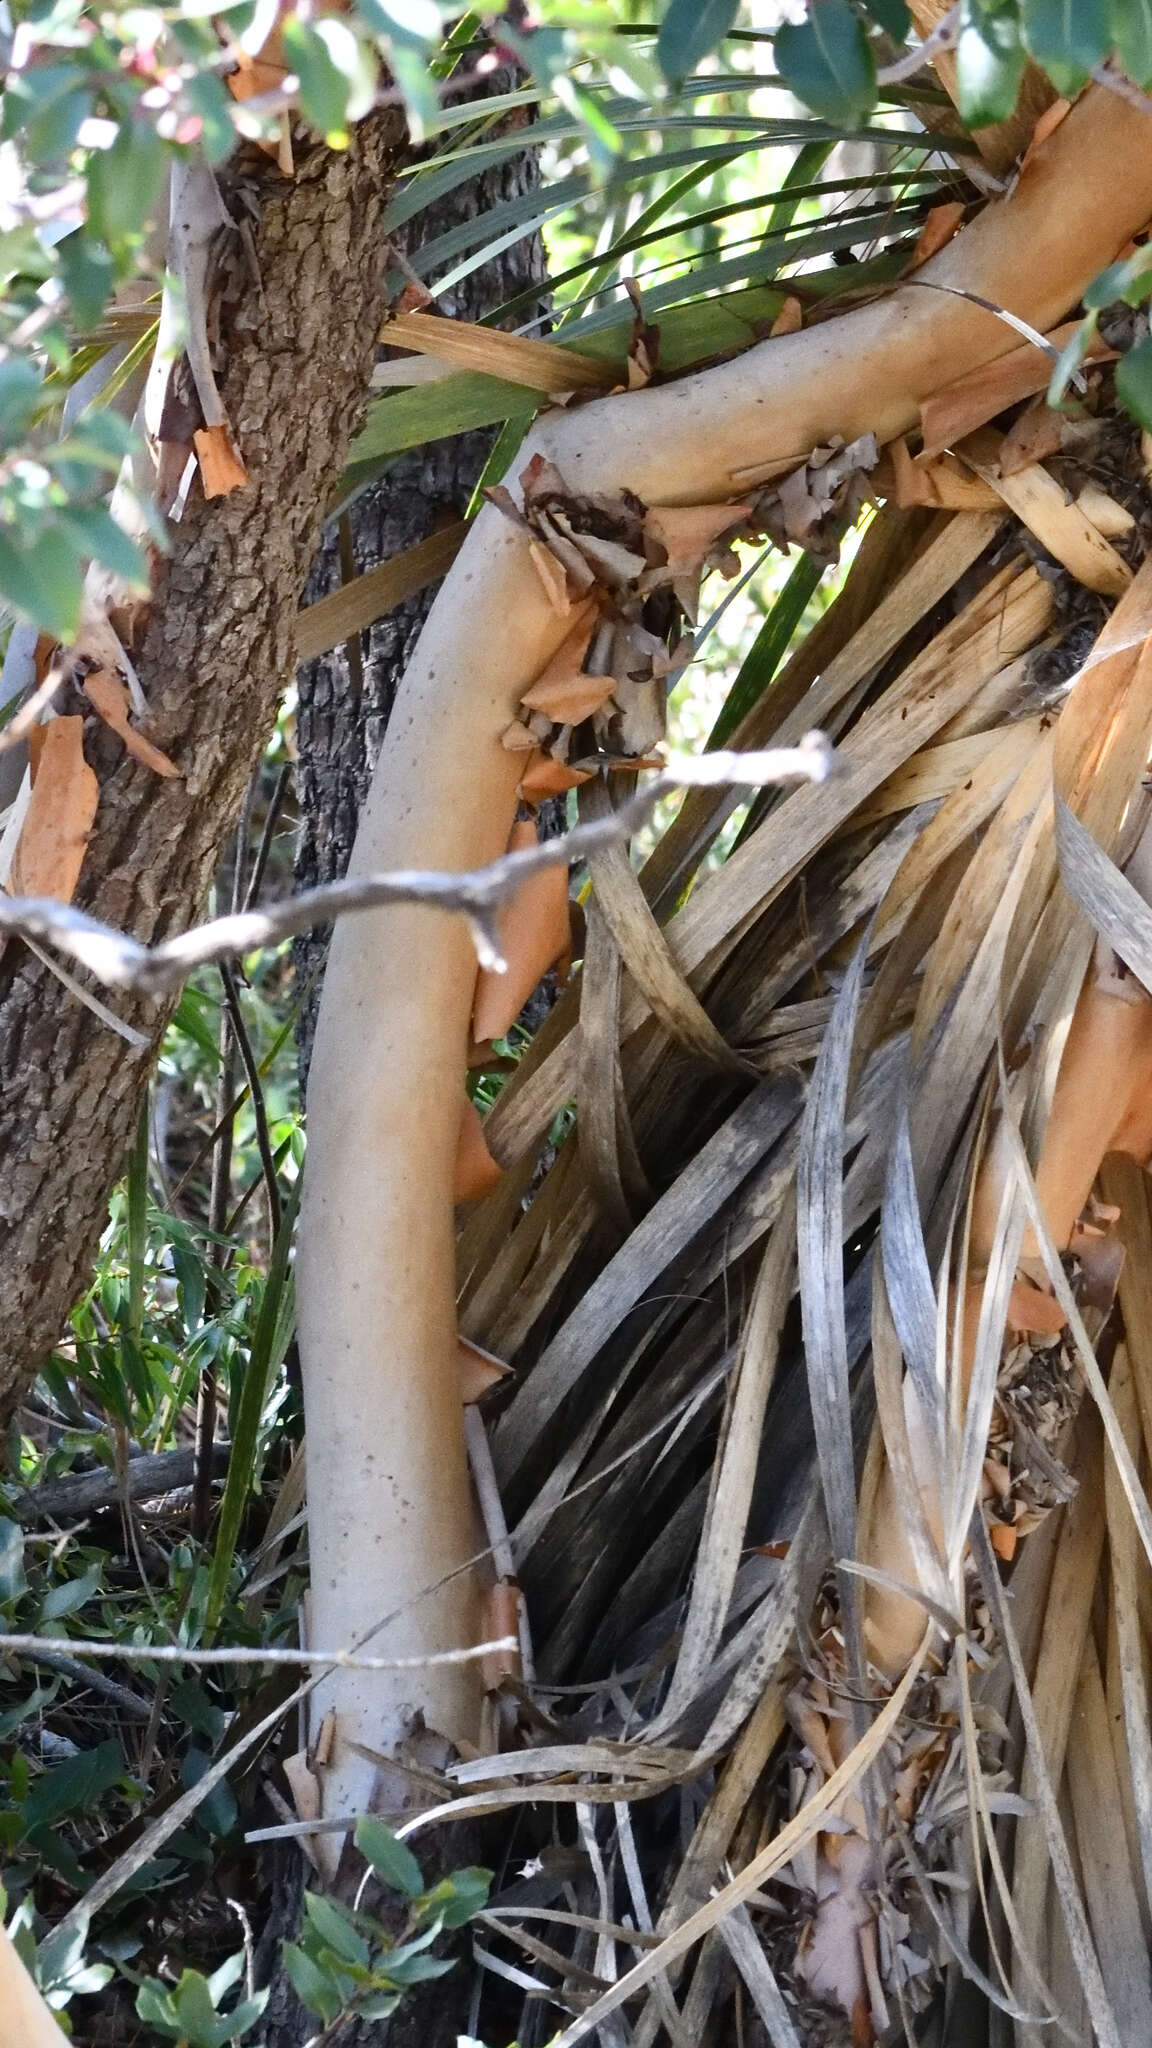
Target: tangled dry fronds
811, 1195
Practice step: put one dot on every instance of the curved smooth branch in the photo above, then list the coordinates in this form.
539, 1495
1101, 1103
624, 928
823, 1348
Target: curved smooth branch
389, 1503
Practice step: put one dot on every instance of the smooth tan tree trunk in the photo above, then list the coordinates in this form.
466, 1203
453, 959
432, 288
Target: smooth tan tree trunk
390, 1510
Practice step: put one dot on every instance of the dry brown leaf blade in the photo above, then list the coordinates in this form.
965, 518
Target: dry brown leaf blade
1037, 434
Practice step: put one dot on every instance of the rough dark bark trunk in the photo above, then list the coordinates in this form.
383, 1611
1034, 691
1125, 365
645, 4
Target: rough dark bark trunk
216, 653
342, 715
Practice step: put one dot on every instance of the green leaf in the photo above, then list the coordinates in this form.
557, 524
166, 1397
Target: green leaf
689, 32
1130, 280
47, 593
188, 1699
768, 649
421, 100
270, 1340
21, 393
79, 1782
124, 182
88, 274
1069, 360
228, 1974
1134, 382
82, 1983
1131, 25
390, 1858
155, 2008
12, 1579
96, 533
892, 15
44, 104
60, 1955
827, 61
192, 2003
326, 86
605, 142
218, 1810
208, 98
456, 1898
32, 1703
189, 1018
1067, 38
990, 62
414, 1969
380, 2005
335, 1929
244, 2015
314, 1987
73, 1594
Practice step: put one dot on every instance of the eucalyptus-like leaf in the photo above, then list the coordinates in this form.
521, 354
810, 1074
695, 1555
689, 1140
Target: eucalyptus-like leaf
1067, 38
690, 31
390, 1858
990, 62
1131, 25
1134, 382
828, 62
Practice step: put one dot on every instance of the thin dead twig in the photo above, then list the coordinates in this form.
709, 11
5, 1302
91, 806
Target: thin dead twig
122, 962
943, 38
26, 1645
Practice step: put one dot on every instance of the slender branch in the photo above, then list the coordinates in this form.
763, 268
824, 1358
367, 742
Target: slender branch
122, 962
256, 1091
132, 1704
1115, 80
271, 821
942, 39
27, 1645
86, 1493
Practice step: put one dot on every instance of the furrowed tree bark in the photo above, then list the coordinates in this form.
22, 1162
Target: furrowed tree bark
375, 1269
216, 653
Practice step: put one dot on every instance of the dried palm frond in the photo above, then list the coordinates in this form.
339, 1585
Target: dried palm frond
800, 1729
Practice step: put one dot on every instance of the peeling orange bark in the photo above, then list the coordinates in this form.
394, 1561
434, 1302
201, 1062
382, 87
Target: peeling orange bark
390, 1511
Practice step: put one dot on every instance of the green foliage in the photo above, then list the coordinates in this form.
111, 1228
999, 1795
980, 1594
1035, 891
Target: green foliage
1134, 382
828, 61
1067, 38
689, 32
390, 1859
347, 1962
1126, 283
1131, 26
191, 2010
990, 60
